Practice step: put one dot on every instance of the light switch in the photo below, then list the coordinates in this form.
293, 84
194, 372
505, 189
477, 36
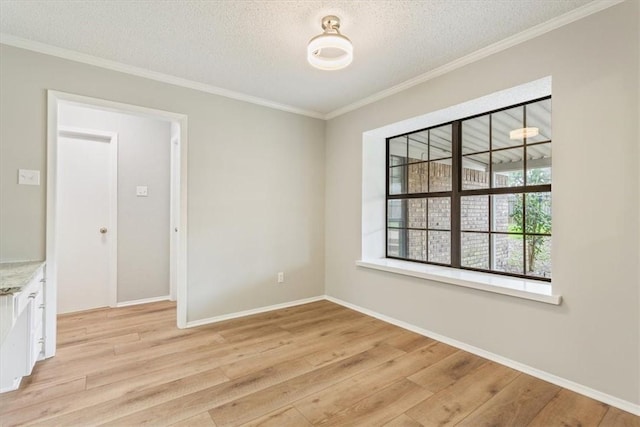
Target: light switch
28, 177
141, 191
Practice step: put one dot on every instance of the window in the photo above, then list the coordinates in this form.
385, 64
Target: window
474, 193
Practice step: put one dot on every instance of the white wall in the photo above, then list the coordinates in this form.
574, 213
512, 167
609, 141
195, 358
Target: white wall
593, 337
143, 222
256, 182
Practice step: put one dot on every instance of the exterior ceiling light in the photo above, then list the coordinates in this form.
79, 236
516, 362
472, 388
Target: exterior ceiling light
523, 133
330, 50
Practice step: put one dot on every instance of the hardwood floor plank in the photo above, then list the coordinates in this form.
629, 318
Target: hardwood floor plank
105, 412
304, 344
247, 408
382, 406
283, 417
515, 405
320, 406
72, 335
342, 350
201, 420
261, 360
135, 310
403, 421
28, 394
59, 367
133, 384
192, 404
570, 410
121, 371
447, 371
409, 341
618, 418
449, 406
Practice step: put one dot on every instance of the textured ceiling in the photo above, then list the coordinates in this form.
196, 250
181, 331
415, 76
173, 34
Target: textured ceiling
258, 47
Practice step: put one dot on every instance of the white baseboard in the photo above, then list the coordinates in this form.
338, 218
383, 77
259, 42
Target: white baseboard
554, 379
143, 301
229, 316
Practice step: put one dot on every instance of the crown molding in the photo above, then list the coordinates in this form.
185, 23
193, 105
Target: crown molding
71, 55
538, 30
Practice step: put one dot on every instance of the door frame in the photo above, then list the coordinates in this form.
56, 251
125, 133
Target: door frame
179, 207
112, 225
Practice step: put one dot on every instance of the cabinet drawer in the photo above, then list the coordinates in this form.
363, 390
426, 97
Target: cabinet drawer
31, 291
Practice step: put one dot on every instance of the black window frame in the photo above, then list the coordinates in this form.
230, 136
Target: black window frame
457, 193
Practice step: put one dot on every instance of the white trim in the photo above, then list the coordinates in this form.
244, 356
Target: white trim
51, 271
71, 55
244, 313
554, 379
174, 214
112, 226
143, 301
494, 283
53, 98
533, 32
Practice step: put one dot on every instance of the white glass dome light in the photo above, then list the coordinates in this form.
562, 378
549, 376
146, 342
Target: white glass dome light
330, 50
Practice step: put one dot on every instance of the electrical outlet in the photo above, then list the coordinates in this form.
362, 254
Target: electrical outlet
142, 191
281, 277
28, 177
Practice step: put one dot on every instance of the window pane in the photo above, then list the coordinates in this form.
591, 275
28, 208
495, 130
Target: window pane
539, 116
398, 151
419, 147
539, 164
397, 183
502, 123
474, 213
475, 250
440, 213
395, 243
508, 255
418, 174
440, 247
538, 257
417, 245
538, 213
507, 213
396, 213
475, 135
417, 210
475, 171
440, 175
440, 142
508, 168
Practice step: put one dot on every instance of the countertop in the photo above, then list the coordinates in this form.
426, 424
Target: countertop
14, 276
17, 274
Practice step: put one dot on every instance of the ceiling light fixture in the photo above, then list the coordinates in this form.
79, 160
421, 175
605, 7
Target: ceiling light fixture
523, 133
330, 50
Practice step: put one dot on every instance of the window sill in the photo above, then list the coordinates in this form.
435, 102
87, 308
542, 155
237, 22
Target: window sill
512, 286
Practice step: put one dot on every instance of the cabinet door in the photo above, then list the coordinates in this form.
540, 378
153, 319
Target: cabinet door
35, 327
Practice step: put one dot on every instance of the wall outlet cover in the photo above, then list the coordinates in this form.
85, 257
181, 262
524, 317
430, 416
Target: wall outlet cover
28, 177
142, 191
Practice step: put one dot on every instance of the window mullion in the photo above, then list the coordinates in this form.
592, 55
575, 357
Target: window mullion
456, 179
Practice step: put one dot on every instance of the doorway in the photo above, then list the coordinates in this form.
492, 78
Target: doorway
96, 149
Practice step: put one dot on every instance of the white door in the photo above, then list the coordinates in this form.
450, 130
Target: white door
85, 220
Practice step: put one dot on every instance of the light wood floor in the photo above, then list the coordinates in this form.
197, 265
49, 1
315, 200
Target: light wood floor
315, 364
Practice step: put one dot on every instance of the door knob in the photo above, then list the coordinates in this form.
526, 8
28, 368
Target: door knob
103, 230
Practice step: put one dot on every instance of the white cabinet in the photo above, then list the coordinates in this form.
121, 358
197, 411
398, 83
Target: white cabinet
23, 345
